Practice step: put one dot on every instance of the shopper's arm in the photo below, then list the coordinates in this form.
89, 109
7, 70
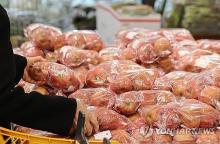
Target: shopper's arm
20, 63
49, 113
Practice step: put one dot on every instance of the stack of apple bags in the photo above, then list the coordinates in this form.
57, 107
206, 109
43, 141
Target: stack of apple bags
151, 86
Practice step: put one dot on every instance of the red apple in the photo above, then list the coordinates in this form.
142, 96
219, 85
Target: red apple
122, 137
211, 138
182, 136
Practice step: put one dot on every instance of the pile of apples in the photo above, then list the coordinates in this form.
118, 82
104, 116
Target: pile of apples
147, 82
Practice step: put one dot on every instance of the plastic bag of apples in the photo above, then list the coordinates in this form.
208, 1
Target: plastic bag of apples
55, 75
74, 57
44, 36
197, 61
121, 76
84, 39
145, 46
99, 97
129, 102
203, 86
189, 113
211, 45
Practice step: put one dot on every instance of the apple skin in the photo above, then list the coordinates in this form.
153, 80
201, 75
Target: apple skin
183, 137
211, 138
211, 95
122, 137
143, 135
196, 114
111, 120
162, 138
161, 45
97, 77
161, 116
127, 103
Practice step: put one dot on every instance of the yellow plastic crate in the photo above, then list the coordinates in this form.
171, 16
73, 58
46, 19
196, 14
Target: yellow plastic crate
22, 138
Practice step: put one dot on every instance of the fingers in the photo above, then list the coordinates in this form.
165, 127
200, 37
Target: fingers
94, 123
88, 128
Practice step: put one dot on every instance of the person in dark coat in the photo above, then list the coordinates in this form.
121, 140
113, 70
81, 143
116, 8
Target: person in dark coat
48, 113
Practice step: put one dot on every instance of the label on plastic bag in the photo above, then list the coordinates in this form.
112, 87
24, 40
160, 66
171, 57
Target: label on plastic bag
102, 135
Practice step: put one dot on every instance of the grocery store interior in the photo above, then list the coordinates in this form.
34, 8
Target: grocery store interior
110, 72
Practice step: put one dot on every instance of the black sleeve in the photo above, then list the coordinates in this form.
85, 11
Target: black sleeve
49, 113
20, 64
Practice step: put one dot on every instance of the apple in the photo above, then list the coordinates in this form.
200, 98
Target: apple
162, 138
109, 53
82, 95
44, 36
122, 137
128, 54
80, 73
162, 47
111, 120
137, 121
102, 98
161, 116
183, 137
71, 56
75, 38
127, 103
93, 40
121, 83
143, 79
152, 97
51, 56
211, 138
194, 114
30, 50
92, 57
210, 95
97, 77
144, 135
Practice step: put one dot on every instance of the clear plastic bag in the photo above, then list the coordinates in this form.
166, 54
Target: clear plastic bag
109, 53
84, 39
30, 50
111, 120
123, 137
80, 73
35, 132
122, 76
74, 57
169, 80
128, 103
196, 114
161, 116
28, 87
181, 34
197, 61
99, 97
149, 48
137, 122
143, 135
183, 136
207, 138
54, 74
45, 36
208, 44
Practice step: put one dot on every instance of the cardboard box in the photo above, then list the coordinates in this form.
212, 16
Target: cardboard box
109, 22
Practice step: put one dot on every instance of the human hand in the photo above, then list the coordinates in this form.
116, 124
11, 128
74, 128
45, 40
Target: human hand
30, 62
91, 123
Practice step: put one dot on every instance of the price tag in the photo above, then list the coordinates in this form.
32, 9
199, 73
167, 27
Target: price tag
102, 135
